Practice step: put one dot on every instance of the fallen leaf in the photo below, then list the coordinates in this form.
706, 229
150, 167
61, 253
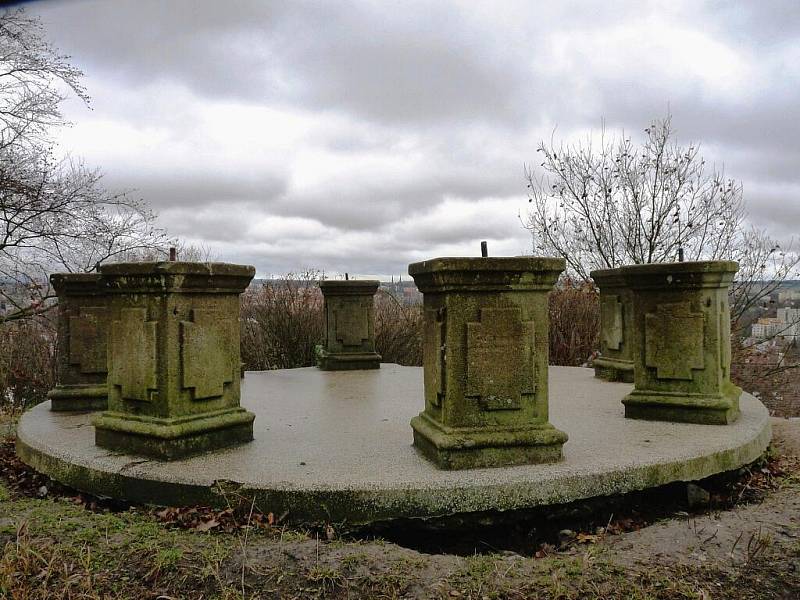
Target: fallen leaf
207, 525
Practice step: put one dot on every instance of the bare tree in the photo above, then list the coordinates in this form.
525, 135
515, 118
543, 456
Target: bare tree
54, 213
34, 80
603, 205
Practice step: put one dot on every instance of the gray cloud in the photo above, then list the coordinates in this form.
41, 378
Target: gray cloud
387, 65
293, 134
195, 190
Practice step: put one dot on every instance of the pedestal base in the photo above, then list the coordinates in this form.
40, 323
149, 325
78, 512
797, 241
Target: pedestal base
348, 361
169, 439
613, 370
472, 448
683, 408
78, 397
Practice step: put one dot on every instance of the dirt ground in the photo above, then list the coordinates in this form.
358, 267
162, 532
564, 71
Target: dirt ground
728, 538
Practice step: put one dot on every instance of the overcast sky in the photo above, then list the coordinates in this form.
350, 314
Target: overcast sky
361, 136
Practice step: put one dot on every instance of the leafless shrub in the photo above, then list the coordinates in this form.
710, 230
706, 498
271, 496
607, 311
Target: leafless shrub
772, 376
574, 322
282, 322
27, 363
398, 330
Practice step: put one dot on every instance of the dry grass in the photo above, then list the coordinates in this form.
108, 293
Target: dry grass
59, 551
54, 550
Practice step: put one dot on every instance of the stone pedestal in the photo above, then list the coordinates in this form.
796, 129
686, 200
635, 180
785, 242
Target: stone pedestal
682, 344
615, 362
83, 321
173, 381
349, 326
485, 361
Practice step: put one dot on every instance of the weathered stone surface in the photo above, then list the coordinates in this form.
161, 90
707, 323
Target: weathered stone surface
673, 335
134, 355
349, 326
682, 342
615, 362
207, 373
500, 338
83, 322
173, 382
485, 361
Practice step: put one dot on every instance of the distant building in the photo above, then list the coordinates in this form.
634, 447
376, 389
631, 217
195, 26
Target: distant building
789, 296
785, 325
788, 315
766, 327
405, 291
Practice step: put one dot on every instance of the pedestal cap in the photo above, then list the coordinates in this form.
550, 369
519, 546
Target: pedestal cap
486, 274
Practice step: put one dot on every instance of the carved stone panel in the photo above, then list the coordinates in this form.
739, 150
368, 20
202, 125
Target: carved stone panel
206, 344
611, 317
500, 358
435, 352
674, 340
351, 323
88, 339
133, 350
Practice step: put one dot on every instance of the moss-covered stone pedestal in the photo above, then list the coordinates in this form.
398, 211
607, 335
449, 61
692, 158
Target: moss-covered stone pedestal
173, 381
615, 362
682, 343
83, 321
485, 361
349, 326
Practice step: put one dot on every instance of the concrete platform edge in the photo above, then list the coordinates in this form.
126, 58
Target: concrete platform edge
358, 506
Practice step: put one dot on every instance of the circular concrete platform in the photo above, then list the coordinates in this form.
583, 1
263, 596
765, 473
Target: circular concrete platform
337, 446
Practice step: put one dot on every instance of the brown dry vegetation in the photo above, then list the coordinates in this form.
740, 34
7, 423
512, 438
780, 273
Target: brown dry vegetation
398, 330
281, 323
27, 365
574, 323
772, 376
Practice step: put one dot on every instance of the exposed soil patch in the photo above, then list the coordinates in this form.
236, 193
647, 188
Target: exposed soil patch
732, 537
728, 537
